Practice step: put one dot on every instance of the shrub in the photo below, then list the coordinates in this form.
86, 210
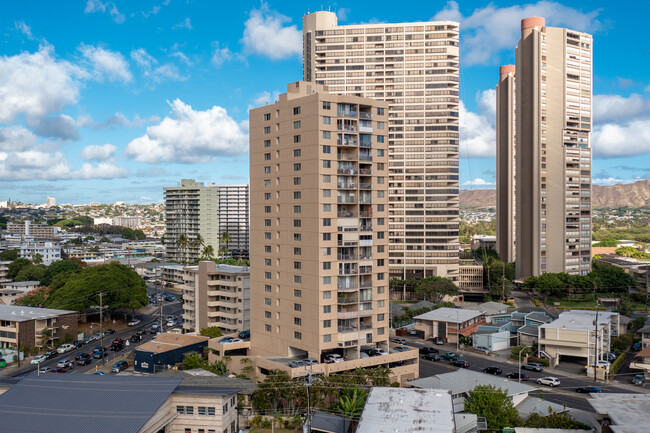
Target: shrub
256, 421
621, 343
616, 365
542, 361
536, 301
395, 384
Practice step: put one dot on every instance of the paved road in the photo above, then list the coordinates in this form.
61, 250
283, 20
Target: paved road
174, 308
564, 394
522, 299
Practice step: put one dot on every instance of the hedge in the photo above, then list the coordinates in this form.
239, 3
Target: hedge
616, 365
542, 361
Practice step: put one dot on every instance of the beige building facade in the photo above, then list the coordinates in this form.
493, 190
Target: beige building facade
553, 122
413, 67
216, 295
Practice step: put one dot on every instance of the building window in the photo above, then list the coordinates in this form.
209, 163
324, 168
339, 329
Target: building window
327, 338
267, 262
380, 152
267, 116
327, 208
297, 167
267, 235
380, 125
267, 196
297, 307
225, 408
267, 129
327, 178
380, 139
380, 317
267, 301
297, 265
296, 181
267, 209
296, 153
326, 105
297, 293
327, 323
297, 251
297, 335
267, 275
296, 237
327, 163
267, 157
380, 276
327, 280
296, 139
380, 331
267, 222
297, 209
327, 193
327, 149
267, 288
297, 223
296, 111
296, 124
267, 314
380, 111
327, 222
327, 120
267, 143
267, 327
327, 294
327, 266
327, 309
380, 235
297, 279
327, 236
296, 195
267, 169
297, 321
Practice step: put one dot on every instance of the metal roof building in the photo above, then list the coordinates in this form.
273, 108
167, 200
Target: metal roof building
79, 403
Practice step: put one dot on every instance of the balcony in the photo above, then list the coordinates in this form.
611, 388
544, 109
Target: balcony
365, 157
365, 200
346, 257
346, 199
350, 128
364, 115
352, 114
365, 129
348, 288
365, 228
348, 314
346, 157
349, 171
347, 329
346, 185
365, 269
347, 271
347, 243
367, 171
365, 143
365, 186
346, 142
365, 214
346, 214
344, 300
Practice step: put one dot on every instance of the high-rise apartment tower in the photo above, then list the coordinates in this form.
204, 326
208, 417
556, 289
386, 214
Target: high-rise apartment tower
553, 121
319, 224
414, 68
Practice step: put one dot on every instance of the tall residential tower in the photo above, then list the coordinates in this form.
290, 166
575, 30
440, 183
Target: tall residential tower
414, 68
553, 121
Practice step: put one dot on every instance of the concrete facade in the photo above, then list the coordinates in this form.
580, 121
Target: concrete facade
414, 68
27, 325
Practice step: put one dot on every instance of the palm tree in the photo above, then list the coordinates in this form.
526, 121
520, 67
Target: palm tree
181, 243
37, 259
198, 241
224, 239
207, 252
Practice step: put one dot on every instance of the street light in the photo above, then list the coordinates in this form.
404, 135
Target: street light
519, 376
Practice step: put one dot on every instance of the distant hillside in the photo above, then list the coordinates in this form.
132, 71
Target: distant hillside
632, 195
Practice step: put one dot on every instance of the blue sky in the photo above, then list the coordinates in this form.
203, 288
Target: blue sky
105, 101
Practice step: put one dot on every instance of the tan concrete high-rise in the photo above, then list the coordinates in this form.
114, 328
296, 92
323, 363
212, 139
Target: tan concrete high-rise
414, 68
553, 155
319, 224
506, 151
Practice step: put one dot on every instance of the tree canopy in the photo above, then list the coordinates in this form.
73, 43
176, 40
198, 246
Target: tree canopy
9, 255
493, 404
59, 267
212, 332
16, 266
435, 288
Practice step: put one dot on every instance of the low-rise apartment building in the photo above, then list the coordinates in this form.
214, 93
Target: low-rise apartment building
578, 333
449, 323
216, 295
9, 292
50, 252
34, 230
26, 324
470, 277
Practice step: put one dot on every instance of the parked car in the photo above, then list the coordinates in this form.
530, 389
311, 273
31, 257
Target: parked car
45, 370
431, 357
493, 369
65, 348
109, 332
77, 344
549, 380
225, 340
449, 356
401, 348
424, 350
482, 349
245, 335
296, 364
38, 359
377, 352
533, 366
636, 346
413, 331
638, 379
171, 323
332, 358
51, 354
153, 331
135, 338
398, 340
438, 341
116, 347
233, 340
524, 376
310, 361
59, 370
99, 354
84, 360
588, 389
3, 362
134, 322
98, 373
119, 366
611, 357
459, 363
65, 363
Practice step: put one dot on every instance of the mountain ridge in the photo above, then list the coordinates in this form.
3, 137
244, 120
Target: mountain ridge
632, 195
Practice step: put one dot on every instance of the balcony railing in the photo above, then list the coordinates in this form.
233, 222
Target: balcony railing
365, 143
346, 142
365, 171
346, 214
347, 300
346, 257
364, 115
346, 157
347, 243
347, 271
365, 186
365, 228
365, 269
365, 257
365, 200
365, 214
344, 199
347, 113
348, 288
351, 128
365, 157
346, 185
349, 171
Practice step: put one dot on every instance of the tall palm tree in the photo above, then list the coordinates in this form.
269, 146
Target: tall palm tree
181, 243
224, 239
207, 252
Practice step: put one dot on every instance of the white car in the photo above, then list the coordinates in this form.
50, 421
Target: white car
38, 359
65, 348
65, 363
134, 322
550, 381
234, 340
335, 357
171, 323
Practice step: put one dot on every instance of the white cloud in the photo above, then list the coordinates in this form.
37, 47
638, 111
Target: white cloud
103, 170
16, 138
478, 182
185, 24
36, 85
490, 29
647, 88
99, 6
24, 29
617, 107
117, 119
265, 98
220, 55
107, 65
612, 181
182, 57
154, 72
265, 33
342, 14
98, 152
627, 139
60, 126
477, 130
190, 136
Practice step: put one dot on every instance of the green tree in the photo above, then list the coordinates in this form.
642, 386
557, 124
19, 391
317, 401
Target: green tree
8, 255
493, 404
608, 278
31, 273
121, 286
212, 332
553, 420
606, 243
16, 266
182, 242
435, 288
208, 252
59, 267
350, 404
224, 240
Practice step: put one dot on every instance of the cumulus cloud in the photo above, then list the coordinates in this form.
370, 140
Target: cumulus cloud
223, 54
107, 65
190, 136
61, 126
185, 24
98, 152
490, 29
16, 138
24, 29
265, 98
153, 71
478, 182
117, 119
477, 130
102, 170
266, 32
617, 107
103, 7
626, 139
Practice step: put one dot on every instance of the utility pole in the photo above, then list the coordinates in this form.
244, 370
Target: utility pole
503, 281
596, 346
161, 284
307, 427
101, 326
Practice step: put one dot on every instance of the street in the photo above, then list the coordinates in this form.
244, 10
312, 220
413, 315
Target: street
147, 320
